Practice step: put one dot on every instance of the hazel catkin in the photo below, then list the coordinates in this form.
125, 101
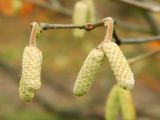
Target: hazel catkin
88, 71
31, 72
119, 65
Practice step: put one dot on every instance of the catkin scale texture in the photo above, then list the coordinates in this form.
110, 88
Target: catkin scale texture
31, 72
80, 17
88, 71
119, 65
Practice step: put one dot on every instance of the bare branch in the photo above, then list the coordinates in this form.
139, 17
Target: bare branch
120, 41
92, 26
87, 27
142, 5
143, 56
140, 40
53, 7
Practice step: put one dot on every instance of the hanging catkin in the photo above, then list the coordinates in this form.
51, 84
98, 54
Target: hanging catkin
119, 65
31, 67
31, 71
88, 71
113, 104
80, 17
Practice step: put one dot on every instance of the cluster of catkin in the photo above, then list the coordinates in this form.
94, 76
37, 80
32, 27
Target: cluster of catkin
90, 67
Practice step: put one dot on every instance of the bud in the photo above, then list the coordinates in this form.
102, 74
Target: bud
113, 104
80, 17
31, 72
127, 105
119, 65
88, 71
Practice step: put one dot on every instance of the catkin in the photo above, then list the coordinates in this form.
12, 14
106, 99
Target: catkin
127, 105
119, 65
31, 71
113, 104
80, 17
88, 71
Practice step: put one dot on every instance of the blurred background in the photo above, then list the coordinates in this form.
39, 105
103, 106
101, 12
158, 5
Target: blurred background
64, 54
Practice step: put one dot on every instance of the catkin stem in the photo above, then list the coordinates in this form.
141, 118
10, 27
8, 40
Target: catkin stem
33, 35
110, 25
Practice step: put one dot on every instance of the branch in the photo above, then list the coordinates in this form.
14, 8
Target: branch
140, 40
120, 41
92, 26
142, 5
87, 27
56, 6
143, 56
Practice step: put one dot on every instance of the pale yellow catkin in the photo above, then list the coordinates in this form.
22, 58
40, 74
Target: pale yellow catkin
80, 17
31, 72
88, 71
112, 106
119, 65
127, 105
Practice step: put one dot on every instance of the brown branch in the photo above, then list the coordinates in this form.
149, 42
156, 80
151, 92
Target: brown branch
132, 27
53, 7
120, 41
142, 5
140, 40
143, 56
87, 27
92, 26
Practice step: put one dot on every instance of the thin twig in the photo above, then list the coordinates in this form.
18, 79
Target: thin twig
140, 40
144, 56
53, 7
92, 26
142, 5
132, 27
120, 41
87, 27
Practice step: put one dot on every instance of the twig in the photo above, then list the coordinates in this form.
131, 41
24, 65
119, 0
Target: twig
87, 27
132, 27
92, 26
143, 56
120, 41
142, 5
139, 40
53, 7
